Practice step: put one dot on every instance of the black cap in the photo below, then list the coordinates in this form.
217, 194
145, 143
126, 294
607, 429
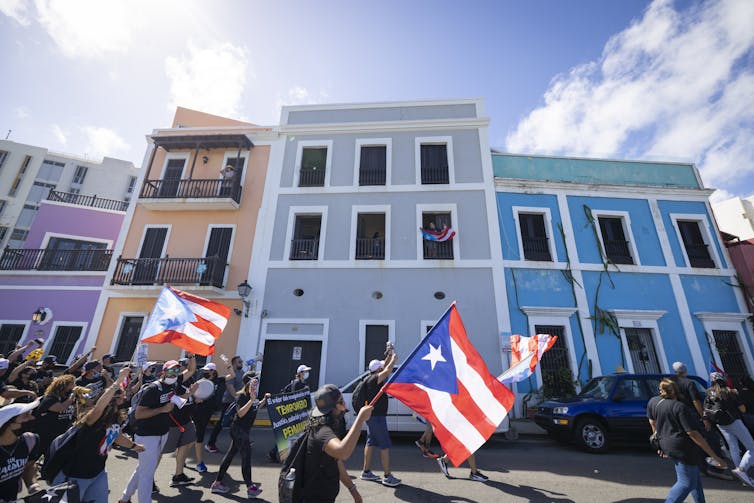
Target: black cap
325, 400
107, 355
91, 365
50, 359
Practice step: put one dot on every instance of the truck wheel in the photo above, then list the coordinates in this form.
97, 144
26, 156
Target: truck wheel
591, 435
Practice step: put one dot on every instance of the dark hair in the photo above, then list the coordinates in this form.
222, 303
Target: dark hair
669, 389
111, 414
721, 390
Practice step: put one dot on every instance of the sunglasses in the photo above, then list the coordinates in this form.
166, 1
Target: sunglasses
173, 371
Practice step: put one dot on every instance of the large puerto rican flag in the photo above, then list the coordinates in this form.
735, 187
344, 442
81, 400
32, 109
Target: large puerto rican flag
442, 235
187, 321
526, 352
446, 381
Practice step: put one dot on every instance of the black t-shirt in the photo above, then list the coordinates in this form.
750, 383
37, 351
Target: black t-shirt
96, 385
372, 386
247, 421
295, 385
92, 446
155, 396
673, 419
688, 390
729, 404
50, 424
321, 478
13, 459
183, 415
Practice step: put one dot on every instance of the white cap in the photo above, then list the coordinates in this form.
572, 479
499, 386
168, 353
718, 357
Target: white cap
4, 363
375, 365
210, 366
302, 368
15, 409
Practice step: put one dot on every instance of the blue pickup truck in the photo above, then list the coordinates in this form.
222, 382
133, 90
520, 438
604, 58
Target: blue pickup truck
608, 408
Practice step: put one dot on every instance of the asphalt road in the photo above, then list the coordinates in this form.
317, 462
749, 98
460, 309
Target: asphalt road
531, 469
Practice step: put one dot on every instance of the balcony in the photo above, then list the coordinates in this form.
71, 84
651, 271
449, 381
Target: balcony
434, 175
205, 271
372, 177
191, 194
438, 250
311, 177
536, 248
92, 201
699, 256
370, 249
617, 251
28, 259
304, 249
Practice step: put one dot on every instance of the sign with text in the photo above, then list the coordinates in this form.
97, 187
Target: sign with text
289, 415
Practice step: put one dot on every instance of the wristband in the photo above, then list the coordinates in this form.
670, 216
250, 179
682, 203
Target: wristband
352, 488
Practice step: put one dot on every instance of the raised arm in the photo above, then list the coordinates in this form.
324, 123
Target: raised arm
342, 449
389, 364
105, 398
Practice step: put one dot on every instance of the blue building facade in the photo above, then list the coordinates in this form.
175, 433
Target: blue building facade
624, 262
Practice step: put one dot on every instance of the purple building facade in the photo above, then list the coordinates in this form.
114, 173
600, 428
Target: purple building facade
59, 274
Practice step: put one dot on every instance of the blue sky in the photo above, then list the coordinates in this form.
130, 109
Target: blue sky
631, 79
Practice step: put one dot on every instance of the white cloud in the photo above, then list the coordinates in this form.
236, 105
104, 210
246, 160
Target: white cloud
672, 85
104, 142
719, 196
299, 95
16, 9
210, 79
22, 112
59, 135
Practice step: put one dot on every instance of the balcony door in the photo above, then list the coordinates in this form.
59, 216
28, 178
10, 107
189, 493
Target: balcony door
149, 256
218, 249
128, 338
171, 179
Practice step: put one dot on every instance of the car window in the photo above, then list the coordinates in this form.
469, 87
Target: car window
699, 387
630, 389
348, 388
653, 385
599, 387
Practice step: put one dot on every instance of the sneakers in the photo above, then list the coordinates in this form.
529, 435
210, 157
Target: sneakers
478, 476
181, 480
369, 476
443, 466
211, 448
201, 467
253, 491
391, 481
426, 452
743, 476
155, 489
218, 487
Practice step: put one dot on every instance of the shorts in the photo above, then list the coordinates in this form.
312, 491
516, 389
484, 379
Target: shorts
177, 439
378, 435
201, 420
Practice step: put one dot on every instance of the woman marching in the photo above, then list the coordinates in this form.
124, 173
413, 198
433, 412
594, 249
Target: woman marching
100, 428
56, 411
246, 411
678, 427
723, 407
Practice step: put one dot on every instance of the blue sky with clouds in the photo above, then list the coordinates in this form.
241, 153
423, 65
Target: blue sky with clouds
632, 79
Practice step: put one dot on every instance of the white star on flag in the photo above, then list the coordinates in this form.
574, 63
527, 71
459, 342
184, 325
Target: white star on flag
434, 355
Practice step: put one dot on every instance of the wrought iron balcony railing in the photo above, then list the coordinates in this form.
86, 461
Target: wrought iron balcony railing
435, 175
617, 251
28, 259
93, 201
304, 249
699, 255
228, 188
370, 249
311, 177
535, 248
438, 250
372, 176
204, 271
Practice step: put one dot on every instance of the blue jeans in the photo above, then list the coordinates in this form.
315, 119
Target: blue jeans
688, 480
95, 489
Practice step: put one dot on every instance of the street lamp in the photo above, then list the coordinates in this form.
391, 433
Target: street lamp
41, 315
244, 290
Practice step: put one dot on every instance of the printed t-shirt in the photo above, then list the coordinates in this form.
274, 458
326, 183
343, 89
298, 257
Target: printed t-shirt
13, 459
92, 446
155, 396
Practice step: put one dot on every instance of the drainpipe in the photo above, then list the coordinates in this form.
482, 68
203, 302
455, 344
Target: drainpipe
193, 163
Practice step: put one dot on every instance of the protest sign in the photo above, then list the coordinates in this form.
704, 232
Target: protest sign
289, 415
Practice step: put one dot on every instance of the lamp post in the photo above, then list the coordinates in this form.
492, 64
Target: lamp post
244, 290
39, 315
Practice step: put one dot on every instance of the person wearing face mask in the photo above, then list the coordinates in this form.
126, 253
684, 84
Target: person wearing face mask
93, 379
153, 421
299, 380
206, 408
26, 381
18, 450
235, 383
328, 446
56, 411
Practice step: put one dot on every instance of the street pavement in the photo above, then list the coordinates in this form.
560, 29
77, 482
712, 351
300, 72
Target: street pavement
530, 469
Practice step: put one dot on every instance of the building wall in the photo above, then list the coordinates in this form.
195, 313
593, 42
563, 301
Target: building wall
736, 216
72, 220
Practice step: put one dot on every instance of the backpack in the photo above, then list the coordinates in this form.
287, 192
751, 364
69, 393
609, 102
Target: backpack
715, 412
136, 399
228, 415
359, 396
291, 477
62, 452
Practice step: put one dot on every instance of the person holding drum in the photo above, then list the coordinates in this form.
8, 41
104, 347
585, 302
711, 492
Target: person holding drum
207, 407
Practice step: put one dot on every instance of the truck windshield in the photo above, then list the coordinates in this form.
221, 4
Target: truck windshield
598, 388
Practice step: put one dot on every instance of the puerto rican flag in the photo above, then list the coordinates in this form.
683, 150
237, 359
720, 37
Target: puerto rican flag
187, 321
526, 352
445, 381
443, 235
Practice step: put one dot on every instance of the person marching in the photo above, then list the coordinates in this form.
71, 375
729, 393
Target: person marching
205, 409
56, 411
240, 430
18, 450
235, 381
298, 383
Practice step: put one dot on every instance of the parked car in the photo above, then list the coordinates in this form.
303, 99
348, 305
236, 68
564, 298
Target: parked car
608, 408
399, 417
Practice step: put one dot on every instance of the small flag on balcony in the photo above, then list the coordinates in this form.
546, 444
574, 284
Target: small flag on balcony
434, 235
190, 322
526, 352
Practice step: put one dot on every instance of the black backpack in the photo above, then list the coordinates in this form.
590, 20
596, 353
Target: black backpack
62, 452
136, 399
291, 477
714, 410
359, 396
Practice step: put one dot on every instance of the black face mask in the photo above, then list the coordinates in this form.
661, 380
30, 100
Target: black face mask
208, 375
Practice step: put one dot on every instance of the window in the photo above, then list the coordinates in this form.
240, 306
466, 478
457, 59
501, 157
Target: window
2, 205
3, 232
694, 243
10, 334
79, 175
64, 254
128, 337
50, 170
731, 356
432, 221
631, 389
313, 167
641, 348
74, 190
375, 340
217, 252
39, 191
306, 233
614, 240
19, 176
370, 236
171, 178
131, 184
19, 235
555, 367
534, 239
434, 164
64, 341
3, 156
230, 184
373, 165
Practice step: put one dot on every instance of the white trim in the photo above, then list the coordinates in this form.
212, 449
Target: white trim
555, 316
293, 212
174, 155
628, 318
424, 326
383, 104
726, 322
434, 140
146, 227
323, 337
531, 210
549, 312
373, 142
689, 330
53, 334
115, 340
390, 324
372, 264
48, 235
369, 210
25, 333
230, 246
711, 317
382, 189
521, 186
50, 288
300, 146
440, 125
437, 208
631, 315
703, 223
88, 208
625, 218
234, 153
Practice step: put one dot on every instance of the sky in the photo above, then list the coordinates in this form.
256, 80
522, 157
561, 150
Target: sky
664, 80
